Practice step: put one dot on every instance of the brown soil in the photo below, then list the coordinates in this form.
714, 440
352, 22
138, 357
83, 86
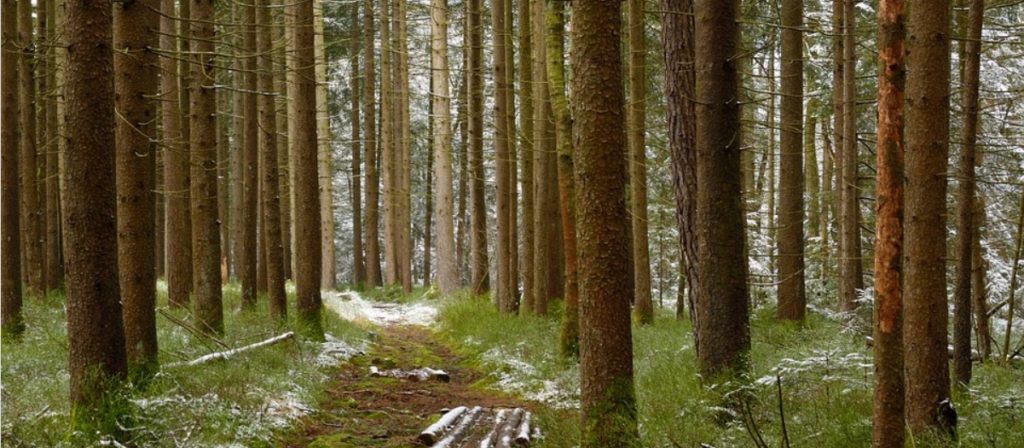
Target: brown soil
360, 410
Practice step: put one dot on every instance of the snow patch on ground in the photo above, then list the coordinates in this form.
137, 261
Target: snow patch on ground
519, 377
280, 411
351, 306
334, 351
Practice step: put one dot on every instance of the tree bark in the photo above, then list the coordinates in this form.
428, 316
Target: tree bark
608, 403
31, 213
644, 309
723, 296
248, 262
10, 281
96, 347
53, 275
387, 144
305, 189
545, 171
478, 208
513, 164
679, 46
979, 297
570, 333
277, 299
178, 212
966, 227
135, 83
927, 131
526, 151
325, 164
851, 272
792, 289
358, 83
502, 154
404, 153
373, 274
208, 308
447, 279
888, 422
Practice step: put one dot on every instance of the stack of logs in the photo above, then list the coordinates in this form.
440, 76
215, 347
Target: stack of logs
462, 427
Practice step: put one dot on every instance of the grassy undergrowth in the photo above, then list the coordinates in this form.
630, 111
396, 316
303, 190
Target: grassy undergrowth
826, 375
241, 402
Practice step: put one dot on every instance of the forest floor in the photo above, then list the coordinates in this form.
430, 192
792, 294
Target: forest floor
360, 409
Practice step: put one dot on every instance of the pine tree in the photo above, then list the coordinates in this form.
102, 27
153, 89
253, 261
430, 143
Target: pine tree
447, 278
503, 155
13, 323
792, 290
638, 161
173, 85
373, 273
268, 162
478, 208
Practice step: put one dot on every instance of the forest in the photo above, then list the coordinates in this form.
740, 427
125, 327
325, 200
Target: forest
512, 223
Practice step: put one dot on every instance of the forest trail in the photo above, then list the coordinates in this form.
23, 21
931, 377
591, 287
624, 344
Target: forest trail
359, 409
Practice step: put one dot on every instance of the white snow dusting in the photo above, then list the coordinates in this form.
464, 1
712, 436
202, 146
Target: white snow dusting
349, 305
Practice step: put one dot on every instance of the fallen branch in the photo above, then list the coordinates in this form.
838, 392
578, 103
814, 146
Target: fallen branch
459, 431
523, 433
434, 431
229, 353
191, 329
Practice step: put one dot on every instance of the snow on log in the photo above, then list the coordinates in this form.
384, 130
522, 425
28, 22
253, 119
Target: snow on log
421, 374
229, 353
455, 436
434, 431
489, 440
507, 434
523, 433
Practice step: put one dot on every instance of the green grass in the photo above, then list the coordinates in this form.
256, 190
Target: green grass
826, 382
237, 401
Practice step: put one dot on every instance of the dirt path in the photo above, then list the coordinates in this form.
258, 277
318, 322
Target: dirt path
360, 410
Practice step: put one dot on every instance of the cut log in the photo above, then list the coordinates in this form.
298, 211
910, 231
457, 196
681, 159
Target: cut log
421, 374
436, 430
489, 440
508, 432
523, 433
459, 432
229, 353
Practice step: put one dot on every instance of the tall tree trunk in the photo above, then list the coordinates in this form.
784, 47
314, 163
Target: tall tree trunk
723, 296
31, 213
679, 46
387, 144
545, 182
10, 280
638, 158
96, 347
405, 251
792, 289
429, 185
53, 273
373, 274
927, 131
502, 154
478, 208
849, 260
608, 402
811, 173
283, 159
358, 81
268, 162
965, 227
447, 278
526, 150
325, 163
513, 165
838, 74
248, 262
135, 83
979, 299
238, 167
888, 423
463, 193
208, 308
570, 333
771, 229
177, 177
305, 188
